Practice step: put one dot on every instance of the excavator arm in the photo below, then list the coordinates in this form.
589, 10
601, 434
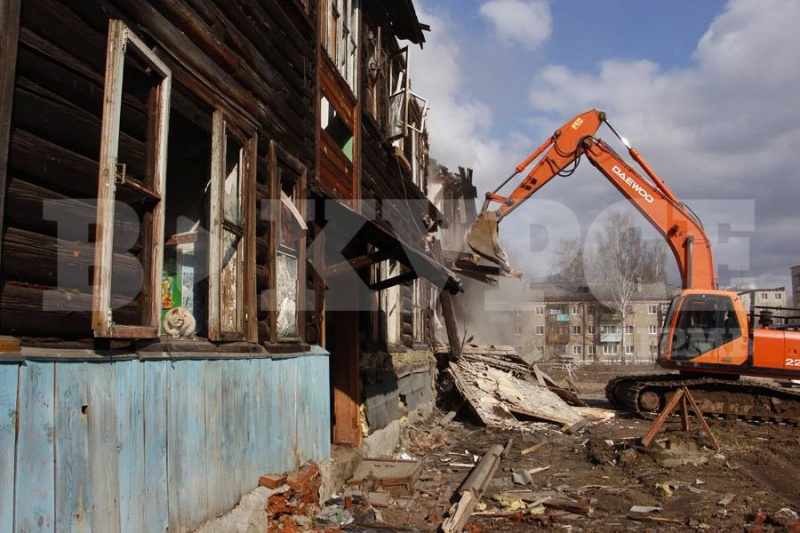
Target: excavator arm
560, 155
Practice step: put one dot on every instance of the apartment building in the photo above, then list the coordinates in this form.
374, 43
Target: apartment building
569, 323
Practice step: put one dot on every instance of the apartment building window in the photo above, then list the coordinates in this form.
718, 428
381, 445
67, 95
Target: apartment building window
576, 330
517, 330
576, 309
778, 296
605, 330
629, 349
517, 312
610, 349
591, 350
652, 330
629, 329
590, 330
559, 349
539, 310
764, 296
652, 309
653, 349
577, 350
539, 330
556, 311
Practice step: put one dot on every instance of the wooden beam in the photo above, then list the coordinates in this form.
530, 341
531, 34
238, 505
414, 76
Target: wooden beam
356, 263
9, 37
391, 282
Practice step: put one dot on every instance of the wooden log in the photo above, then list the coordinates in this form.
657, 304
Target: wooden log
471, 490
69, 126
9, 33
53, 166
43, 211
37, 258
67, 314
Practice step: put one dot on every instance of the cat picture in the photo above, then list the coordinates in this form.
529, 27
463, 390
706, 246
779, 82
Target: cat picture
179, 322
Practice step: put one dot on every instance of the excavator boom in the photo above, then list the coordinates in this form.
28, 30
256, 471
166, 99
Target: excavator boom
559, 156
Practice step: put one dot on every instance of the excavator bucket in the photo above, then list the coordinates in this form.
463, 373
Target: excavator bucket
483, 239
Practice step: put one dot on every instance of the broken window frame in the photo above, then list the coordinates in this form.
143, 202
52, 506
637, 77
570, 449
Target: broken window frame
231, 310
340, 38
279, 156
121, 40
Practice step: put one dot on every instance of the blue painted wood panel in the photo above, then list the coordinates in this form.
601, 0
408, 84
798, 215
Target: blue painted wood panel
9, 374
73, 489
186, 452
152, 446
102, 412
130, 444
35, 490
216, 467
155, 446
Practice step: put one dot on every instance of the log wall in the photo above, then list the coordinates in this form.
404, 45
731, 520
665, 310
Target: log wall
255, 60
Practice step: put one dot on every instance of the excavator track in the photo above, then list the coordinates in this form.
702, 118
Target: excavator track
646, 396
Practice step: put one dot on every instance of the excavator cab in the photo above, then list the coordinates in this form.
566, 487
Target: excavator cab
701, 327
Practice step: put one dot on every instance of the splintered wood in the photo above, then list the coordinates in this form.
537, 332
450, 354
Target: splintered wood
496, 394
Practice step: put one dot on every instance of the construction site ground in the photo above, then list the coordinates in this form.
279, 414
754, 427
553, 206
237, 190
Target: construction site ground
600, 477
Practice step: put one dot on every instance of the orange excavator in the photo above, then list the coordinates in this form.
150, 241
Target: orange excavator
708, 335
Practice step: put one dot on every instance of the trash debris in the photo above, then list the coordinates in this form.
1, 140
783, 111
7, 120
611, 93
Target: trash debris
645, 509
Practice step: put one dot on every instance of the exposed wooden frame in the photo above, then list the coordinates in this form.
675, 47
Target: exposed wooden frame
9, 37
121, 39
244, 313
278, 157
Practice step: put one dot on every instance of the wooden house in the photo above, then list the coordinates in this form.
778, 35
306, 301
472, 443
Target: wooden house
258, 165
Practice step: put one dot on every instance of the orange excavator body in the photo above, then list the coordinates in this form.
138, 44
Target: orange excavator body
727, 341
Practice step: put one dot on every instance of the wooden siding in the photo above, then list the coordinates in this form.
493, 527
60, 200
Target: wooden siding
150, 445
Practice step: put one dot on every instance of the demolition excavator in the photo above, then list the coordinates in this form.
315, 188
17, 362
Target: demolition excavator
708, 335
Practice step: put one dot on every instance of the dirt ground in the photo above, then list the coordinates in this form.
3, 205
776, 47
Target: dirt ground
681, 482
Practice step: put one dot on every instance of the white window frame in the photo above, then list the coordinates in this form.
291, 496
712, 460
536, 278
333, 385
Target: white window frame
241, 310
591, 350
576, 330
778, 296
576, 309
539, 310
652, 309
577, 350
629, 349
517, 330
652, 329
591, 330
120, 40
610, 348
629, 329
539, 330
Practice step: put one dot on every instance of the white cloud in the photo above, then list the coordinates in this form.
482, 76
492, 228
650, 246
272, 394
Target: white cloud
524, 22
458, 124
725, 127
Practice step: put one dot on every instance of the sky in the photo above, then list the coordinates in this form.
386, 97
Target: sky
708, 91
